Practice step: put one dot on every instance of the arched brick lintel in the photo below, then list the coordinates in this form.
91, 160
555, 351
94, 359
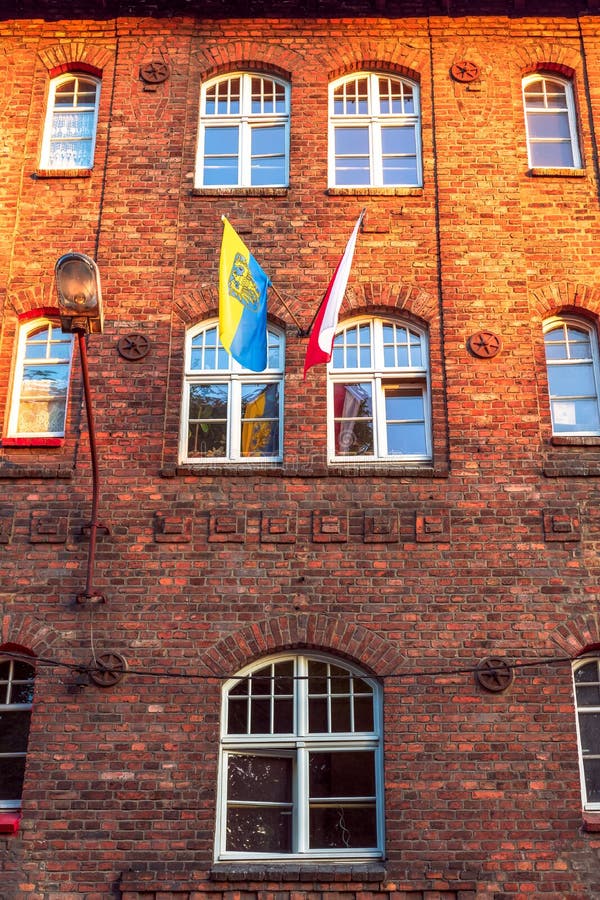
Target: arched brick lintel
578, 635
28, 632
565, 296
309, 631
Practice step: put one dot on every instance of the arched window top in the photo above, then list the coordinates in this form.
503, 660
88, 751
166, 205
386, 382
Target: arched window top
374, 131
301, 693
374, 94
301, 761
205, 352
71, 119
41, 380
573, 369
379, 344
243, 139
551, 122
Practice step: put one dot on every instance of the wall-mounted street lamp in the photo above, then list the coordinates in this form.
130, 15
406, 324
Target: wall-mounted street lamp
80, 305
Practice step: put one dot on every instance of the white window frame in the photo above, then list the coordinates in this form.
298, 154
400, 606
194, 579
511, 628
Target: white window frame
246, 121
565, 322
46, 160
297, 746
235, 377
583, 753
375, 121
381, 377
26, 332
569, 108
5, 693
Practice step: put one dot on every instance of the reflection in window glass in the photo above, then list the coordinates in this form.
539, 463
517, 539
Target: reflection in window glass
41, 384
230, 413
378, 392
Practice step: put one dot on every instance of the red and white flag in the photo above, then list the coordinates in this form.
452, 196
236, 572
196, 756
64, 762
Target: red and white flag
320, 342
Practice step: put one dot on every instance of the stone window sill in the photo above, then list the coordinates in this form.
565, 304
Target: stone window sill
591, 821
293, 871
32, 442
575, 440
240, 192
63, 173
538, 172
306, 470
374, 191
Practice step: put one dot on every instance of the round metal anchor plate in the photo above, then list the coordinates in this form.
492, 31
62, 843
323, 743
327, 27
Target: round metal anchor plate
108, 669
484, 344
493, 674
133, 347
154, 72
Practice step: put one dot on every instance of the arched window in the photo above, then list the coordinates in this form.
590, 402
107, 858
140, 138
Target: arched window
374, 132
71, 118
244, 132
16, 698
586, 674
573, 376
551, 122
231, 413
378, 401
301, 761
41, 380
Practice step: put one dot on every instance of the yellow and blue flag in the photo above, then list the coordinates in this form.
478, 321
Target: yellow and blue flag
243, 290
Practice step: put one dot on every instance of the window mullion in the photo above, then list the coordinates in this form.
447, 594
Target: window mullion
301, 801
234, 413
379, 429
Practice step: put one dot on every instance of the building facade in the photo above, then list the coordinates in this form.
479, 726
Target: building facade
267, 635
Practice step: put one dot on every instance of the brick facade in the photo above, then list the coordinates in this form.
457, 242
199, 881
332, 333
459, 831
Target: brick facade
415, 574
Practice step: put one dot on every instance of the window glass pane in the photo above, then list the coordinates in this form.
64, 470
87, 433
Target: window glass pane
14, 730
340, 826
317, 715
268, 155
363, 714
552, 155
284, 678
283, 716
406, 439
73, 124
208, 420
549, 125
21, 693
572, 380
591, 768
221, 148
573, 415
398, 139
352, 156
259, 830
260, 716
260, 420
340, 714
342, 774
12, 773
253, 778
587, 672
70, 155
353, 419
589, 731
237, 715
588, 695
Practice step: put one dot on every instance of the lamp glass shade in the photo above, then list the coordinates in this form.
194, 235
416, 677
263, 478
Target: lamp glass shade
78, 287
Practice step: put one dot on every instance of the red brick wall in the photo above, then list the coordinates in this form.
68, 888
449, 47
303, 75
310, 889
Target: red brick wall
482, 790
